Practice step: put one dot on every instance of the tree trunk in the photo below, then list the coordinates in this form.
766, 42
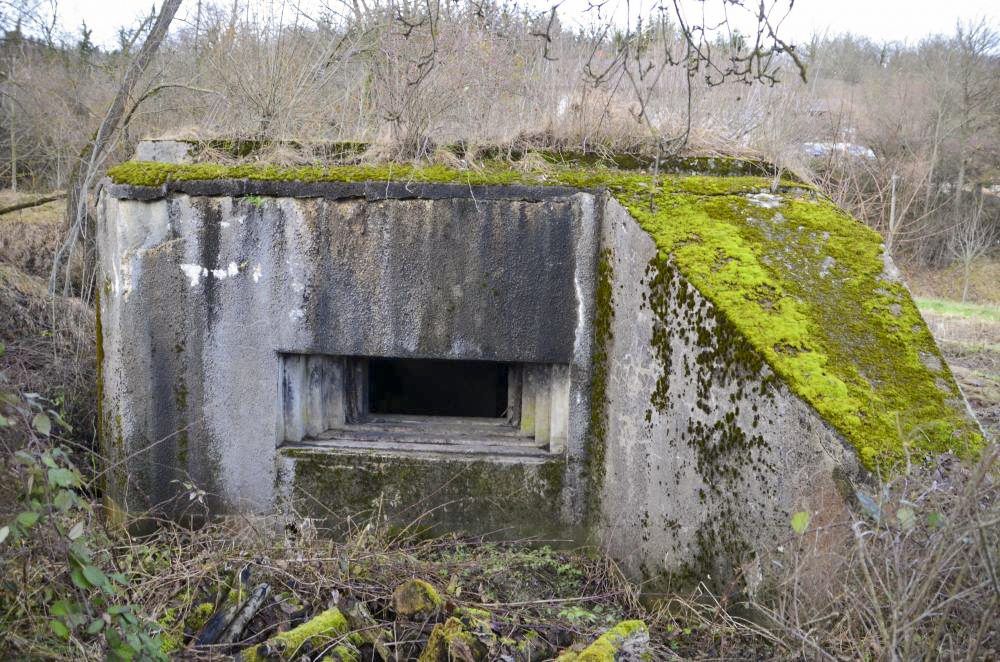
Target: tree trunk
965, 280
13, 137
928, 195
30, 203
959, 185
891, 234
95, 153
13, 152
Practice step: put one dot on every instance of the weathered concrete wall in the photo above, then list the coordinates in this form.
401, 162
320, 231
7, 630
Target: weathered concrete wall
707, 454
199, 294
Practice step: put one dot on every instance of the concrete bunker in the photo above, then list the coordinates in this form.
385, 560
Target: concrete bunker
669, 366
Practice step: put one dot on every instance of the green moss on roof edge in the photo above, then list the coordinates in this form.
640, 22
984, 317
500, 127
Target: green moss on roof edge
803, 281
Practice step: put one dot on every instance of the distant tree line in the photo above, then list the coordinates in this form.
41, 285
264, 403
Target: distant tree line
906, 136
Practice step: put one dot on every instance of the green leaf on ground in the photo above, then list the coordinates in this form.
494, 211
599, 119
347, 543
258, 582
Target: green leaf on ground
59, 628
62, 477
42, 423
800, 522
94, 575
27, 518
76, 531
907, 518
63, 500
78, 579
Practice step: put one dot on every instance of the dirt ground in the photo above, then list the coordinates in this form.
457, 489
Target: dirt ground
978, 373
972, 348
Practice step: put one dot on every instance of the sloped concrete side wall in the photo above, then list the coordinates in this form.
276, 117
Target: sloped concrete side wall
200, 294
707, 453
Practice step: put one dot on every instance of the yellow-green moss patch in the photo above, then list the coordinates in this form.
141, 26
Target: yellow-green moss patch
451, 641
809, 288
608, 647
322, 630
415, 599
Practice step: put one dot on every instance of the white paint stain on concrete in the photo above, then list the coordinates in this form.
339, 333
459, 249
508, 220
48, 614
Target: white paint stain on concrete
230, 271
581, 315
195, 272
126, 277
256, 274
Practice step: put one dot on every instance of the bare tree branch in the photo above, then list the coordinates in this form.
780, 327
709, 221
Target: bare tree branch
96, 152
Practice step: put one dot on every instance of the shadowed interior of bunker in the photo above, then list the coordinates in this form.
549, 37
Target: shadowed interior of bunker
437, 388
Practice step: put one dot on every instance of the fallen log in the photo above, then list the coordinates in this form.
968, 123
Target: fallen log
245, 614
28, 204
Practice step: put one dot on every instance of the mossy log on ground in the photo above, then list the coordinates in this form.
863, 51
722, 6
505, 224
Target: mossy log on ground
625, 641
327, 630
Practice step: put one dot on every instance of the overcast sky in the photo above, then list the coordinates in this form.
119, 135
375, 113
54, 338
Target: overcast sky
902, 20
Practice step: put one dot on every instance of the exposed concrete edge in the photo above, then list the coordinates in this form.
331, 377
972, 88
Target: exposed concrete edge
370, 190
293, 451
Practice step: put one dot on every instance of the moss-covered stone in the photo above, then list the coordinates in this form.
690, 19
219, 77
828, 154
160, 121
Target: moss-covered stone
176, 628
627, 636
452, 641
415, 600
316, 633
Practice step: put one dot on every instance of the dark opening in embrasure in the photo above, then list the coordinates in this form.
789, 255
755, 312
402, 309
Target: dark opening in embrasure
426, 387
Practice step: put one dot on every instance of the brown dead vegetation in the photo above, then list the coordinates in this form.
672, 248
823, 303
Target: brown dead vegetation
49, 350
29, 237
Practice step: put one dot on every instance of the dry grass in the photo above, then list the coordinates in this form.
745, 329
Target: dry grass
911, 576
29, 237
984, 282
49, 345
960, 329
563, 596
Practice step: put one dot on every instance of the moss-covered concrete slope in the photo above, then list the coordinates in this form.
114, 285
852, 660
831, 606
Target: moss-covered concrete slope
806, 284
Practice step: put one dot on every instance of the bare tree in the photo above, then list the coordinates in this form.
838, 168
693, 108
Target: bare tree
978, 88
97, 151
974, 237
